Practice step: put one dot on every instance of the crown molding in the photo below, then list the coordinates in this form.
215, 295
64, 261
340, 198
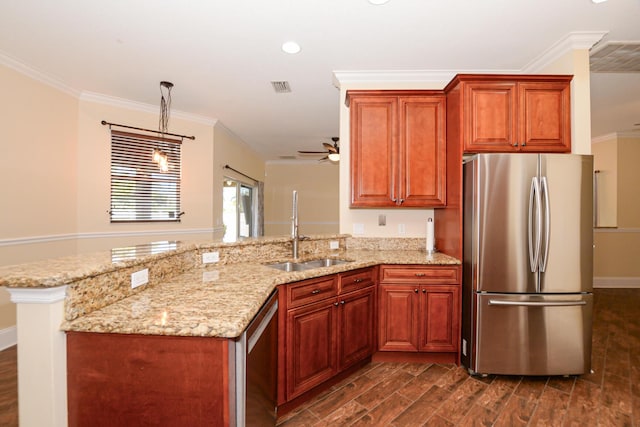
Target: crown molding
363, 76
37, 75
577, 40
49, 80
114, 101
572, 41
615, 135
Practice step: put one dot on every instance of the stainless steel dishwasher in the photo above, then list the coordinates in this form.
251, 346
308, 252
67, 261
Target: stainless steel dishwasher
254, 373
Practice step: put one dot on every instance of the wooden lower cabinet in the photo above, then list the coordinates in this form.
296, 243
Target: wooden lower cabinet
311, 342
327, 336
132, 380
417, 312
439, 324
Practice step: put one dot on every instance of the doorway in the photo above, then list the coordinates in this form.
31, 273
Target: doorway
239, 202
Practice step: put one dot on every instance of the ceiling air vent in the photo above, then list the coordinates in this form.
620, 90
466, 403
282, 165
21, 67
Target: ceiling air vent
281, 87
616, 57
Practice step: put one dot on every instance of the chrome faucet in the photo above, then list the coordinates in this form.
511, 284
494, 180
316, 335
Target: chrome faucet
295, 237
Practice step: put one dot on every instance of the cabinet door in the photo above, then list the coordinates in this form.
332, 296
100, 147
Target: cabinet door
422, 151
398, 318
439, 318
490, 116
356, 326
311, 344
373, 151
545, 117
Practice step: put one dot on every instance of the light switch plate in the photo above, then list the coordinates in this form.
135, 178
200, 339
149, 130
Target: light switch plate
139, 278
209, 257
382, 220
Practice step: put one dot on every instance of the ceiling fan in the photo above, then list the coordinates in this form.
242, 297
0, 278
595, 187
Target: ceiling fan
332, 151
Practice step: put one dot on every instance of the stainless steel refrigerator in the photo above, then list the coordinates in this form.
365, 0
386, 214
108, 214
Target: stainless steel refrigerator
528, 255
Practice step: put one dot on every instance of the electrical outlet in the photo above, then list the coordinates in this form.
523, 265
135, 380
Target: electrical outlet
401, 229
139, 278
210, 276
358, 228
209, 257
382, 219
334, 244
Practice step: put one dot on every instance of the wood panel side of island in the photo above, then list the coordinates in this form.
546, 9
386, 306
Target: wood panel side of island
127, 380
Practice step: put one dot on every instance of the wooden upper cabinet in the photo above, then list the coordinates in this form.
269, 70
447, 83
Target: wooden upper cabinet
398, 149
513, 113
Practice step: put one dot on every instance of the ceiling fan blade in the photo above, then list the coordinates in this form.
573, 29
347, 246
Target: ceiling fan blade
324, 159
312, 152
329, 147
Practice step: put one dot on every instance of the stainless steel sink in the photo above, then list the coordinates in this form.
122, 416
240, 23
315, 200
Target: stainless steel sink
325, 262
307, 265
288, 266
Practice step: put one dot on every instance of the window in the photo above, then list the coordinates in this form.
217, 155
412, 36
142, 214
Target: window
238, 209
140, 192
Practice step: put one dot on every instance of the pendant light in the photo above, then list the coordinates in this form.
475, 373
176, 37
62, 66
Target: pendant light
159, 156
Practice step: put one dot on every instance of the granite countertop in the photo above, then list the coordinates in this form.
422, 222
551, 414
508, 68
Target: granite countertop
221, 300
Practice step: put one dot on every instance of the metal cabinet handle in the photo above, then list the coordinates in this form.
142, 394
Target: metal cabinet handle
424, 291
415, 290
515, 144
358, 280
420, 274
401, 201
537, 303
342, 302
315, 291
524, 144
335, 303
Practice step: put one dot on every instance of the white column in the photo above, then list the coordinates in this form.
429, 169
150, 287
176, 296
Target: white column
42, 356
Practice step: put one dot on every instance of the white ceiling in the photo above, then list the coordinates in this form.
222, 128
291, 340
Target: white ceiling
222, 54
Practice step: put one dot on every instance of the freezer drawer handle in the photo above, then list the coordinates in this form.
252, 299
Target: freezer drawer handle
537, 303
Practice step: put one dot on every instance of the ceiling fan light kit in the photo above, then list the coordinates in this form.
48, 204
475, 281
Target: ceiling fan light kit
332, 151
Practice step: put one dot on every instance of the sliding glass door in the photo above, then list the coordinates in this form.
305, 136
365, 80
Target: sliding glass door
239, 209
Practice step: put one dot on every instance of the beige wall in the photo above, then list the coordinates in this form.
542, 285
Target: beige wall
629, 182
38, 139
317, 185
230, 150
617, 249
38, 166
605, 160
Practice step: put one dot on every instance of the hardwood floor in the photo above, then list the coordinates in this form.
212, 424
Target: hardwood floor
406, 394
9, 387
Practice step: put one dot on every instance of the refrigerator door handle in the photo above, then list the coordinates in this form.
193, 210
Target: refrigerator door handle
547, 220
534, 198
537, 303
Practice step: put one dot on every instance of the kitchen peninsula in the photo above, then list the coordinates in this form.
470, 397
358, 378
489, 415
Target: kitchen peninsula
185, 300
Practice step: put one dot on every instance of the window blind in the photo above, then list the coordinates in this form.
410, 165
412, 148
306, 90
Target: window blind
140, 192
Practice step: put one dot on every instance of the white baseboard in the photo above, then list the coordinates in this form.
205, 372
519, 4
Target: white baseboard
616, 282
8, 337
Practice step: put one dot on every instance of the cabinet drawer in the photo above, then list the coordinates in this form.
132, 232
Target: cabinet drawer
311, 290
420, 274
357, 279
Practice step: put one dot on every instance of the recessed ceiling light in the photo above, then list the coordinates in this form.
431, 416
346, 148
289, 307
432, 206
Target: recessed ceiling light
378, 2
598, 1
291, 47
